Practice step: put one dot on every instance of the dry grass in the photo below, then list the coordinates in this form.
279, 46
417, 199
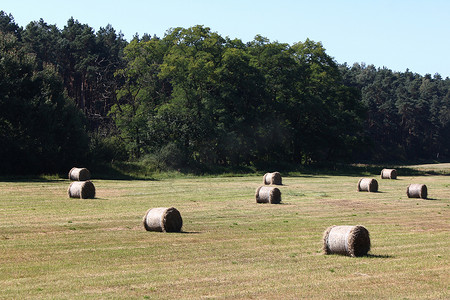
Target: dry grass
443, 168
56, 247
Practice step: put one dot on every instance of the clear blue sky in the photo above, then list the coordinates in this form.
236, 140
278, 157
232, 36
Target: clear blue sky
397, 34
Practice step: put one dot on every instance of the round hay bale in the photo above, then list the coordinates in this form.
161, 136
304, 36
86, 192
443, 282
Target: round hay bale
367, 185
347, 240
388, 174
163, 219
268, 194
417, 191
79, 174
81, 189
272, 178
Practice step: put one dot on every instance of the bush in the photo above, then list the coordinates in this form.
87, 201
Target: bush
170, 157
107, 148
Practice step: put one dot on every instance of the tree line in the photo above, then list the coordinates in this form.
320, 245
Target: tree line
196, 99
408, 115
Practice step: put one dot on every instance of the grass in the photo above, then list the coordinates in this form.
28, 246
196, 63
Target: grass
54, 247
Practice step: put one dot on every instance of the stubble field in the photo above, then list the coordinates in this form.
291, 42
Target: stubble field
55, 247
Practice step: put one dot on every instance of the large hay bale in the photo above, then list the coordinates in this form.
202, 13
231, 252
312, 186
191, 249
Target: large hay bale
81, 189
272, 178
417, 191
367, 185
268, 194
388, 174
163, 219
79, 174
346, 240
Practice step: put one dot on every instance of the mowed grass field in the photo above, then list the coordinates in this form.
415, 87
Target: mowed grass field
55, 247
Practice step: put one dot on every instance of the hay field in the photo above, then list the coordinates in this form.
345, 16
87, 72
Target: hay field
443, 168
55, 247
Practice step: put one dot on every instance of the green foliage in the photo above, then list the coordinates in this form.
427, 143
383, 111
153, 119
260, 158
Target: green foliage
104, 149
170, 156
194, 99
85, 60
8, 25
40, 128
406, 113
219, 101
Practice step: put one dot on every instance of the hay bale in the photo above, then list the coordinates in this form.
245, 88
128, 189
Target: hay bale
388, 174
81, 189
268, 194
163, 219
272, 178
367, 185
417, 191
79, 174
347, 240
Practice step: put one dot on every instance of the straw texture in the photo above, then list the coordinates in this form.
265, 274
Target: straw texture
272, 178
417, 191
388, 174
268, 194
346, 240
79, 174
367, 185
81, 189
163, 219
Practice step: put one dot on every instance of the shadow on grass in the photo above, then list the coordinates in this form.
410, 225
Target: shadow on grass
322, 170
140, 170
121, 171
116, 171
294, 174
379, 256
31, 178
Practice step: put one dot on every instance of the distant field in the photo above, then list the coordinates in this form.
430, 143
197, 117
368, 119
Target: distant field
440, 168
54, 247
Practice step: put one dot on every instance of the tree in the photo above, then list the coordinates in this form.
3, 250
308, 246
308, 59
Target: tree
44, 40
192, 65
8, 25
278, 106
238, 97
109, 47
331, 118
405, 113
139, 96
218, 101
77, 58
40, 128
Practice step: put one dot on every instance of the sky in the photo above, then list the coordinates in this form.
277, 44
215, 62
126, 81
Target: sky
396, 34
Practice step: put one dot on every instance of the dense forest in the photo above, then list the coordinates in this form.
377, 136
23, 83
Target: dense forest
194, 99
